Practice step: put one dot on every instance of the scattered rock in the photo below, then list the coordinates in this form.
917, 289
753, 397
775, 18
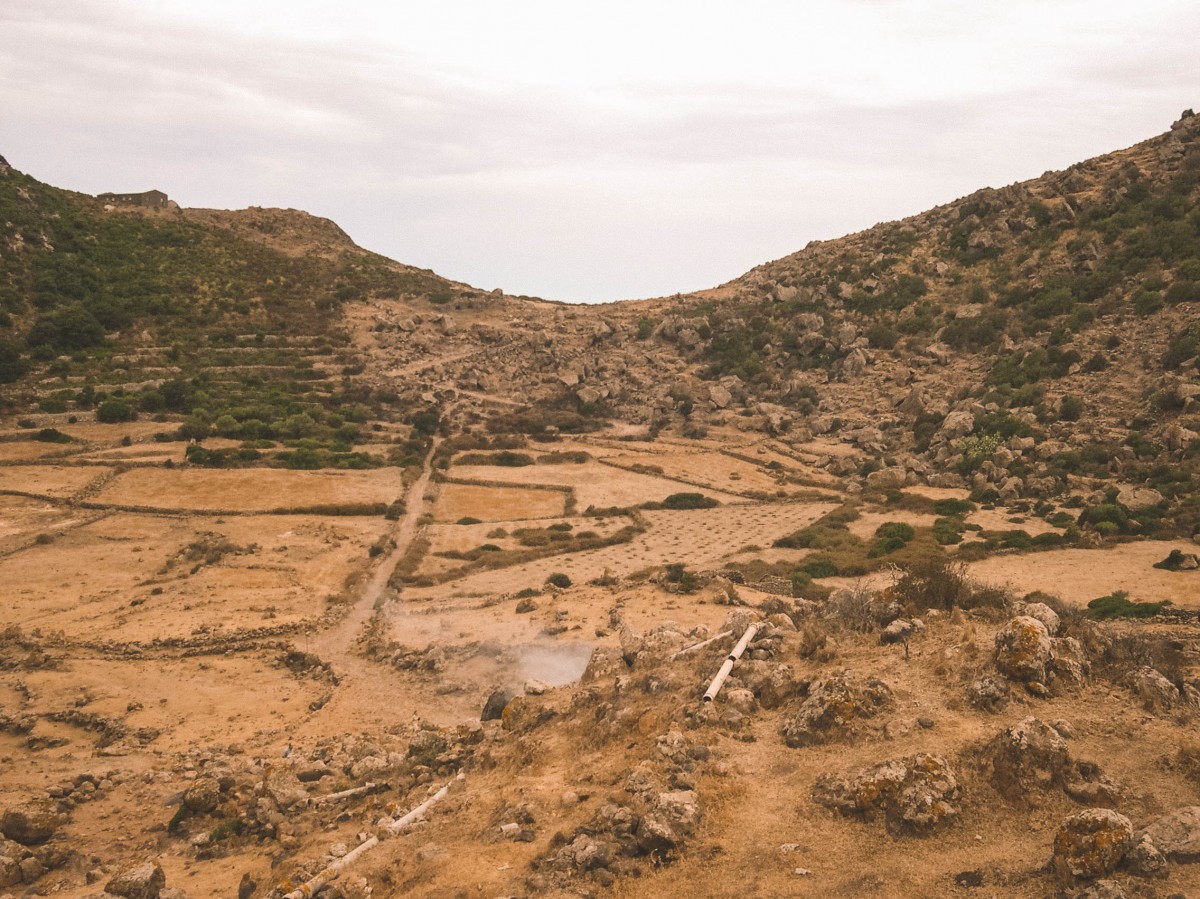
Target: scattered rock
493, 709
1026, 757
989, 693
1157, 694
1023, 650
832, 707
144, 881
1091, 843
916, 794
32, 823
1176, 835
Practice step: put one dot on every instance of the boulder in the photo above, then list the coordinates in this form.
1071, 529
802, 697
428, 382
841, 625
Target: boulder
957, 424
898, 631
1028, 756
1042, 613
989, 693
916, 794
204, 795
1091, 843
144, 881
1157, 694
30, 823
1176, 835
832, 707
282, 785
1023, 650
493, 709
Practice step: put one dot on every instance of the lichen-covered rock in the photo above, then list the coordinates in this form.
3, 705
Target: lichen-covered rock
282, 785
144, 881
989, 693
916, 794
30, 823
1176, 835
1144, 858
672, 818
1091, 843
1023, 650
1042, 613
1157, 694
1028, 756
1069, 667
202, 796
832, 707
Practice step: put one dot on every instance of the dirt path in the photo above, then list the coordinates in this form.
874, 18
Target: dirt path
336, 643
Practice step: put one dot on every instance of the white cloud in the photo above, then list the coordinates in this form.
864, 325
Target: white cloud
584, 153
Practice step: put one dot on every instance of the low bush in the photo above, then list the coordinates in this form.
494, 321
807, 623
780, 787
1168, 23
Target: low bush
1118, 605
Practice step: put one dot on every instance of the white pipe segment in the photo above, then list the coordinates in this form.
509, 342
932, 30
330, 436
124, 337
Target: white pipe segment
306, 890
715, 687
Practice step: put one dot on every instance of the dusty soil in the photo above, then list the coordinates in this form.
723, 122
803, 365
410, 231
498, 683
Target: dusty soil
169, 623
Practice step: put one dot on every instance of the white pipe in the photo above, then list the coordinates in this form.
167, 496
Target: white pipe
687, 650
715, 687
346, 794
306, 890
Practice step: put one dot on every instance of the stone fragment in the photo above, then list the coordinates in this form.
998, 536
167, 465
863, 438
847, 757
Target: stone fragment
1091, 843
916, 794
144, 881
832, 707
1023, 650
30, 823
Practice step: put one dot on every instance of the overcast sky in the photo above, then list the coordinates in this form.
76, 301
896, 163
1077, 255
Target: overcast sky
584, 151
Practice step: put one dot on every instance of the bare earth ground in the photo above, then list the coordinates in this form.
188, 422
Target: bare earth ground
170, 624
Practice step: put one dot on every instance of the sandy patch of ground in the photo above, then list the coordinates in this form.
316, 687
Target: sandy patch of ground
139, 453
23, 520
594, 483
457, 501
137, 577
31, 450
1000, 520
1081, 575
707, 470
250, 490
60, 482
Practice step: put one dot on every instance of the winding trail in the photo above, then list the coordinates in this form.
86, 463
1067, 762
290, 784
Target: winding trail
336, 643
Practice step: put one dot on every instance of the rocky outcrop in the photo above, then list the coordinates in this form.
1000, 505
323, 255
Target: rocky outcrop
144, 881
833, 707
31, 823
1027, 757
916, 794
1091, 843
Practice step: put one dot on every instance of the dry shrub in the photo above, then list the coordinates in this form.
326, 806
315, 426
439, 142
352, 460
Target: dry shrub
853, 609
1126, 653
939, 583
813, 642
1188, 760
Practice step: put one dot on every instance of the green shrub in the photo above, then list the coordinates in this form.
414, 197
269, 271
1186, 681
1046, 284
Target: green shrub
467, 519
558, 579
112, 411
950, 508
1173, 562
1118, 605
688, 501
52, 435
818, 567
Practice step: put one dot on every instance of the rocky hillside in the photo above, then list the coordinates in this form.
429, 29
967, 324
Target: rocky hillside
1027, 341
